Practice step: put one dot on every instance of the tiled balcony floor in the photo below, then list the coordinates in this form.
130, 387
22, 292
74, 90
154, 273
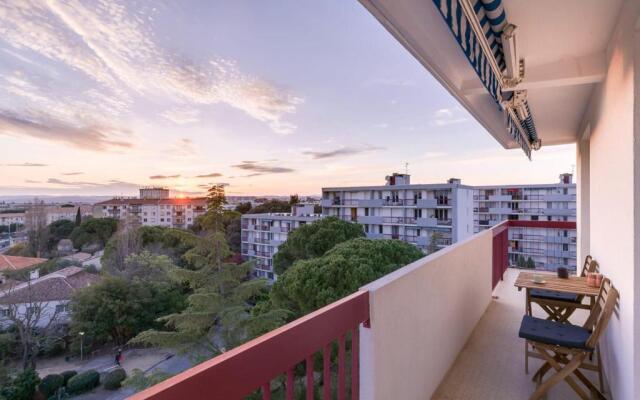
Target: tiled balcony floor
491, 365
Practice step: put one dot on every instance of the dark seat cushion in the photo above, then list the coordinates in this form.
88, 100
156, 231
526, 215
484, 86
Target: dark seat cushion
553, 295
554, 333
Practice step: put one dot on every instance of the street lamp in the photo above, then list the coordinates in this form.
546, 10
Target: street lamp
81, 343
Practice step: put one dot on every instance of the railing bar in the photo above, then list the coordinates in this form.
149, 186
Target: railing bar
266, 391
290, 389
326, 372
342, 374
309, 368
355, 363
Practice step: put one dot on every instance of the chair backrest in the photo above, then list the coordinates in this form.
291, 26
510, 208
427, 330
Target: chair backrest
602, 312
586, 266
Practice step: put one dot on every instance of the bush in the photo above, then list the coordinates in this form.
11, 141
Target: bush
68, 375
113, 379
50, 384
83, 382
60, 394
24, 385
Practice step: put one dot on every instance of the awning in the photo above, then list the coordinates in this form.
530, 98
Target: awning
477, 26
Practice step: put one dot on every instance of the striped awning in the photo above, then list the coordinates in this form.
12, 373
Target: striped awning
488, 64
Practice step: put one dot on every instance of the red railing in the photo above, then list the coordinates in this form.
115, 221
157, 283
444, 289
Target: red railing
501, 242
255, 364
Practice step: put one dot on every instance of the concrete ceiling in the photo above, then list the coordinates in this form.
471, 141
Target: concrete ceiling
563, 43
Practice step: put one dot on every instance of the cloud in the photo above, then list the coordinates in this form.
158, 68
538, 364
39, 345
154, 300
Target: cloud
211, 175
30, 181
27, 164
164, 176
109, 43
344, 151
182, 116
113, 184
183, 148
448, 116
434, 154
72, 173
57, 181
261, 168
42, 127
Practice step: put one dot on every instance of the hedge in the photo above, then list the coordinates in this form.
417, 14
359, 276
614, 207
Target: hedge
50, 384
83, 382
113, 379
68, 375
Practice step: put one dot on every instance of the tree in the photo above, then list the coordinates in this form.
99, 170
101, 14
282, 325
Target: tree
218, 315
294, 199
233, 234
313, 240
78, 217
34, 320
311, 284
37, 232
433, 242
58, 230
116, 309
96, 231
271, 206
521, 262
243, 207
23, 386
530, 263
124, 242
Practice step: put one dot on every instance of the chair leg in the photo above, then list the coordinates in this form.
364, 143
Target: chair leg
526, 357
562, 374
600, 377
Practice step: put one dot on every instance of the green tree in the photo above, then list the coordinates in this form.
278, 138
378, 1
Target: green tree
116, 309
271, 206
313, 240
94, 231
218, 315
243, 207
311, 284
78, 217
433, 242
521, 262
530, 263
294, 199
59, 230
233, 234
24, 385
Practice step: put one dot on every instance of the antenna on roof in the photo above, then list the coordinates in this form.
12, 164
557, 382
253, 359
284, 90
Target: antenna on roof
573, 166
406, 168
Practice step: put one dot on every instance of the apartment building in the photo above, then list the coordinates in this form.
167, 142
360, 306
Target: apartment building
59, 213
263, 233
154, 207
12, 218
545, 249
430, 216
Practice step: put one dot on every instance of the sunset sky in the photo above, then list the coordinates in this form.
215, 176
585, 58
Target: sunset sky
271, 97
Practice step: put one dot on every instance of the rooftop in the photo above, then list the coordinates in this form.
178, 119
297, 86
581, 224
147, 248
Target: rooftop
59, 285
16, 263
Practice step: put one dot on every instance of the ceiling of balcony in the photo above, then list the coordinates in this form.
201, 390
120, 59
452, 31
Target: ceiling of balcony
563, 44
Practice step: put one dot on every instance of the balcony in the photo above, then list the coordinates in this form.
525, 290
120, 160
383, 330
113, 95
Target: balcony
370, 219
452, 349
500, 197
371, 203
427, 222
426, 203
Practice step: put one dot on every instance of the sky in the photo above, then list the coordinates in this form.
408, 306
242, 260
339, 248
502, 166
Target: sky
271, 98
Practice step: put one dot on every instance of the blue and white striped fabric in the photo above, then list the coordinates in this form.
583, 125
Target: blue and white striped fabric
492, 18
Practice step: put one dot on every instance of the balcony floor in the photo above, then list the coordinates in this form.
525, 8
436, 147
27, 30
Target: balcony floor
491, 364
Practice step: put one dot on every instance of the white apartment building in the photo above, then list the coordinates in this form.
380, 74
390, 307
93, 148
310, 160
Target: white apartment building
547, 248
167, 212
263, 233
8, 219
430, 216
59, 213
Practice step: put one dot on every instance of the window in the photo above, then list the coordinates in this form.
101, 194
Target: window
4, 312
161, 219
548, 218
60, 308
534, 217
380, 229
565, 247
145, 220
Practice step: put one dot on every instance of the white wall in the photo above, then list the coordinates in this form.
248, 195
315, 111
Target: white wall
421, 317
613, 186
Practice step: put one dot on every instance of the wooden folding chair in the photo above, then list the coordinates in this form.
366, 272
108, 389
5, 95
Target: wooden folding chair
567, 348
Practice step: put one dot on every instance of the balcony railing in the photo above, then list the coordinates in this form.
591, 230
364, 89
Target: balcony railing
411, 349
256, 364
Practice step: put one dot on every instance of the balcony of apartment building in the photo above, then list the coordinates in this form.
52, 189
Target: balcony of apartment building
456, 339
446, 326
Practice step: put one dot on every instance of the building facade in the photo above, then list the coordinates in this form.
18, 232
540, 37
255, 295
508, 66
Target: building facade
531, 247
167, 212
431, 216
14, 218
263, 233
